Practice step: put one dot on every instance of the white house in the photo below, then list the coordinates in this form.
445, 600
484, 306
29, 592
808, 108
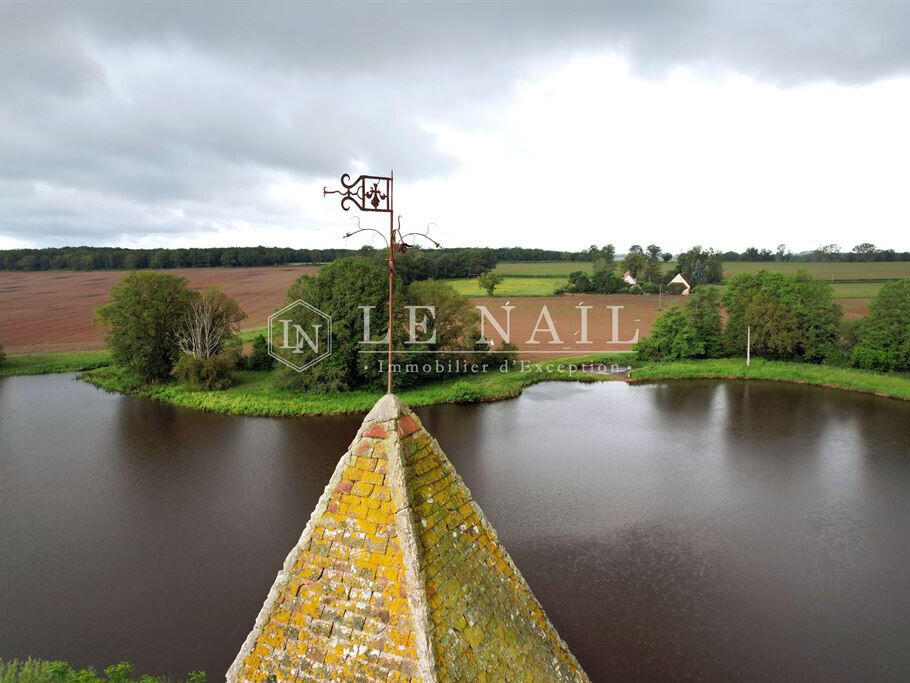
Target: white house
679, 279
628, 279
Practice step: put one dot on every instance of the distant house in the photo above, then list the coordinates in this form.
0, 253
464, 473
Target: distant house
681, 280
628, 279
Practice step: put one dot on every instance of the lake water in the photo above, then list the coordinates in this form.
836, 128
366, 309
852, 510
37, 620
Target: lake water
707, 529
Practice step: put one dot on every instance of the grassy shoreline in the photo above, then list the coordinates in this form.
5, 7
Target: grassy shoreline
47, 363
17, 364
256, 393
880, 384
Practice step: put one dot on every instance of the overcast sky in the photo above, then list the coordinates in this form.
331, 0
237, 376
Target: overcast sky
553, 125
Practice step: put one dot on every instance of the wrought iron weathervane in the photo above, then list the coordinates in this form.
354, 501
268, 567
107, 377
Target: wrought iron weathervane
374, 193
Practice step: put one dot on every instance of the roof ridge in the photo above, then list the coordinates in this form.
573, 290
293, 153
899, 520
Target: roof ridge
410, 547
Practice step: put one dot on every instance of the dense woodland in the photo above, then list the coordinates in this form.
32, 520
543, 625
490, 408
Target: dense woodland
451, 262
438, 263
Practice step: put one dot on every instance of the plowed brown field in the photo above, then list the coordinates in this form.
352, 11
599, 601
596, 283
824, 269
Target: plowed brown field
54, 311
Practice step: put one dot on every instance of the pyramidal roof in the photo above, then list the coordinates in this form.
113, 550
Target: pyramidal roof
399, 576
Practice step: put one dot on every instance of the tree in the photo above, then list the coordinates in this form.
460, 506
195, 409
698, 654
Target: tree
792, 317
782, 253
211, 323
865, 251
828, 252
652, 271
144, 312
209, 327
635, 261
452, 324
883, 338
703, 309
605, 258
666, 257
673, 337
340, 290
703, 266
2, 355
490, 281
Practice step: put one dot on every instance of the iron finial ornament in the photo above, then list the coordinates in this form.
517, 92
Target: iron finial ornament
366, 192
374, 193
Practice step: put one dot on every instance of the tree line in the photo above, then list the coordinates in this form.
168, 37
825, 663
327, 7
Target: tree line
864, 252
453, 261
792, 318
699, 266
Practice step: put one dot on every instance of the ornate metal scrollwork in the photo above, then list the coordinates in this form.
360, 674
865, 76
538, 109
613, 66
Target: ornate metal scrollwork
367, 193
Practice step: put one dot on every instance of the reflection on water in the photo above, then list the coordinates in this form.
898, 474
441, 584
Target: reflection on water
705, 529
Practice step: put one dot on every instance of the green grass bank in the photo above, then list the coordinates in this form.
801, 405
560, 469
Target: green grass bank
257, 394
46, 363
880, 384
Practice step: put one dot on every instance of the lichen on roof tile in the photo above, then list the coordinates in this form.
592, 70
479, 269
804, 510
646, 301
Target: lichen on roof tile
399, 576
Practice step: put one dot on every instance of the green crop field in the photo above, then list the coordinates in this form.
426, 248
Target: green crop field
844, 290
827, 271
511, 286
551, 268
541, 268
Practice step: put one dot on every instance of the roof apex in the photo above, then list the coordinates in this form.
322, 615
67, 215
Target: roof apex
389, 407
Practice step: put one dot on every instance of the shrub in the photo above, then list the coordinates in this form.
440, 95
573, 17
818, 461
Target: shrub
578, 282
605, 281
144, 312
673, 337
649, 288
464, 391
675, 288
42, 671
212, 373
2, 355
260, 359
496, 358
883, 339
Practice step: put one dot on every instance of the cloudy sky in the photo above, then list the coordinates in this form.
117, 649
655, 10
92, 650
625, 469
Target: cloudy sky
552, 125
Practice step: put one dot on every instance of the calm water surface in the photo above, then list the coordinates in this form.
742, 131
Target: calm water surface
703, 529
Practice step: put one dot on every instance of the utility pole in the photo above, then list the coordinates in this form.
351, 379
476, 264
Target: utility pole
748, 346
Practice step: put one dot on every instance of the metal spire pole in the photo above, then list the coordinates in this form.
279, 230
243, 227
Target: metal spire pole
391, 281
366, 193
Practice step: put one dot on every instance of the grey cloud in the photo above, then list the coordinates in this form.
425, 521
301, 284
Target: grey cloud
145, 105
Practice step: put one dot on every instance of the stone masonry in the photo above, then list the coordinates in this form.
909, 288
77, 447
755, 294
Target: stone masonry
399, 576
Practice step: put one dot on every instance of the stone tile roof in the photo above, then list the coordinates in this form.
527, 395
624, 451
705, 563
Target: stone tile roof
399, 576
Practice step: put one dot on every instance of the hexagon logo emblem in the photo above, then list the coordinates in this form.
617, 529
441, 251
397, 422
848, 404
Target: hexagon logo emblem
299, 335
